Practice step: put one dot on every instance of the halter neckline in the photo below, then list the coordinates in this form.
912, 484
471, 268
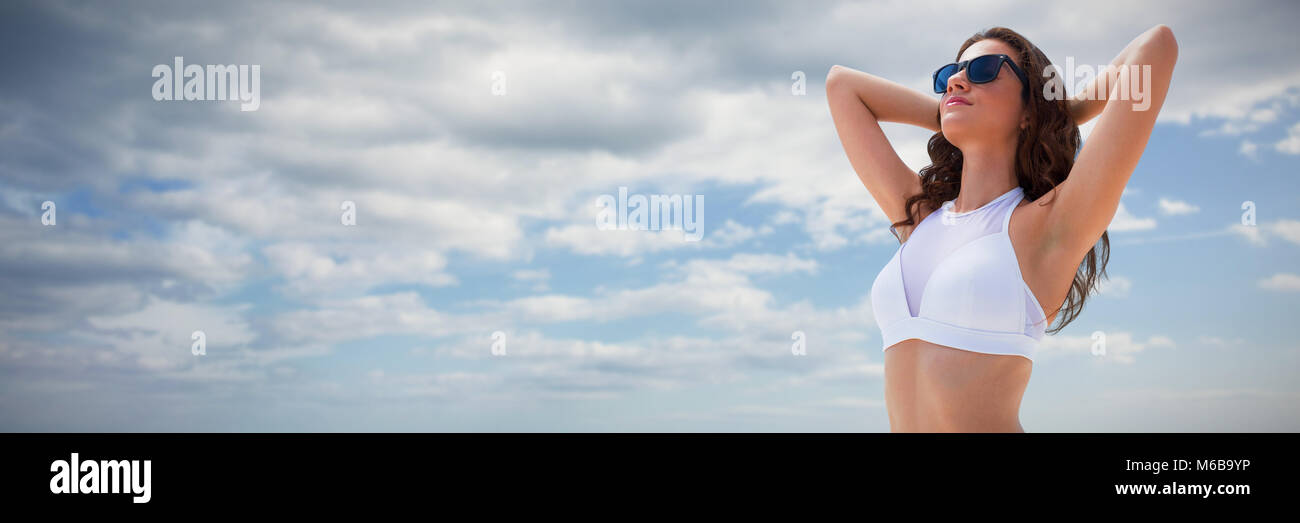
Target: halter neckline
947, 206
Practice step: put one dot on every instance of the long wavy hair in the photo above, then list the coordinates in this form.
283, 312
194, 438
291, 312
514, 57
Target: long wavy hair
1045, 153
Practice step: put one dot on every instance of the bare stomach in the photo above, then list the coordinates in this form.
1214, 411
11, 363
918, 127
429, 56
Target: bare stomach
933, 388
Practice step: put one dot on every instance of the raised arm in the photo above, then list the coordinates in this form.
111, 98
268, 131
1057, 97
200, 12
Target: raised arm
1089, 102
858, 102
1086, 201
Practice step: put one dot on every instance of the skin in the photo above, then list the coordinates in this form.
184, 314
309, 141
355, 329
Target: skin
934, 388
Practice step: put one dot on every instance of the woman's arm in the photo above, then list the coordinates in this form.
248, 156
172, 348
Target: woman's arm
1089, 197
1091, 100
858, 103
888, 101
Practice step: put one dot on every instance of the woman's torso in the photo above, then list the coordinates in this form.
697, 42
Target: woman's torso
933, 388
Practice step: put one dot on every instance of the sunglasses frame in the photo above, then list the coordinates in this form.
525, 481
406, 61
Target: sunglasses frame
965, 64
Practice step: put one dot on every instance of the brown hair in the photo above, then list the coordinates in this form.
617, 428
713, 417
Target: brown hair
1045, 153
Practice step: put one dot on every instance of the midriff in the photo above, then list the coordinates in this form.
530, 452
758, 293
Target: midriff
934, 388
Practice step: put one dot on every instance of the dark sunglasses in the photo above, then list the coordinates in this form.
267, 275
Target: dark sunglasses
979, 70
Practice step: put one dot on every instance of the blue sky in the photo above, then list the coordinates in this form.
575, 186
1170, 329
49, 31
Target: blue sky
475, 214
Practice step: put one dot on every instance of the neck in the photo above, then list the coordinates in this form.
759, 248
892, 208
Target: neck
985, 175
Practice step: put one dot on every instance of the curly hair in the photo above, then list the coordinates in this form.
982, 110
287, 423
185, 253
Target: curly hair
1045, 153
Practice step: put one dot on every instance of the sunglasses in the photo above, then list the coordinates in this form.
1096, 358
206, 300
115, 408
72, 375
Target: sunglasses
979, 70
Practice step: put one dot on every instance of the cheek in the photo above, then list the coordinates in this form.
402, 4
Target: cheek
1003, 111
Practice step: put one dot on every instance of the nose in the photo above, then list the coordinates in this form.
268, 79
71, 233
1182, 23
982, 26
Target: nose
958, 80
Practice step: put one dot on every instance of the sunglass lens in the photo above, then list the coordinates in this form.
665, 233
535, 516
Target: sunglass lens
941, 79
984, 68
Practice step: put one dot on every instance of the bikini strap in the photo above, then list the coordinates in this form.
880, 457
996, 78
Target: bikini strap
1006, 218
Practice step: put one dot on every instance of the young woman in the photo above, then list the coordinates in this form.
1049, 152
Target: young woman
998, 234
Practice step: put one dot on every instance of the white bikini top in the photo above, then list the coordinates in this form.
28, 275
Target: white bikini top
956, 282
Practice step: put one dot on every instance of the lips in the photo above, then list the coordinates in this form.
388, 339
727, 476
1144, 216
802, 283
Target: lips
956, 100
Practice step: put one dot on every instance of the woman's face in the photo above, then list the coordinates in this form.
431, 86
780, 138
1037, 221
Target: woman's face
995, 111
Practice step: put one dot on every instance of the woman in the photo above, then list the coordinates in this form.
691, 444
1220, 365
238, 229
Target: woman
964, 301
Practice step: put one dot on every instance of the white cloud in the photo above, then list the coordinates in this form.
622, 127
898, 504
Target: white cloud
733, 233
1286, 229
1253, 234
1239, 102
1281, 281
591, 240
1249, 149
718, 293
1258, 235
160, 334
279, 212
1115, 286
341, 320
1221, 342
1290, 144
1176, 207
531, 274
315, 269
1123, 221
555, 308
1248, 124
1121, 347
190, 249
749, 263
880, 236
538, 277
783, 217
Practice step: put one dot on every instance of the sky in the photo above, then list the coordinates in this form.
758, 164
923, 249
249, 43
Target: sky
403, 236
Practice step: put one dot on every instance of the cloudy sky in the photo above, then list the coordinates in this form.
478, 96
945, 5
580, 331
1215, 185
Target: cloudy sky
472, 140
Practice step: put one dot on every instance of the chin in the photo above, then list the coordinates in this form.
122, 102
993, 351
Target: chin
958, 133
955, 134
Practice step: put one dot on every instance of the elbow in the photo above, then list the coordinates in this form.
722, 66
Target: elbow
832, 76
1163, 32
1161, 40
838, 76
